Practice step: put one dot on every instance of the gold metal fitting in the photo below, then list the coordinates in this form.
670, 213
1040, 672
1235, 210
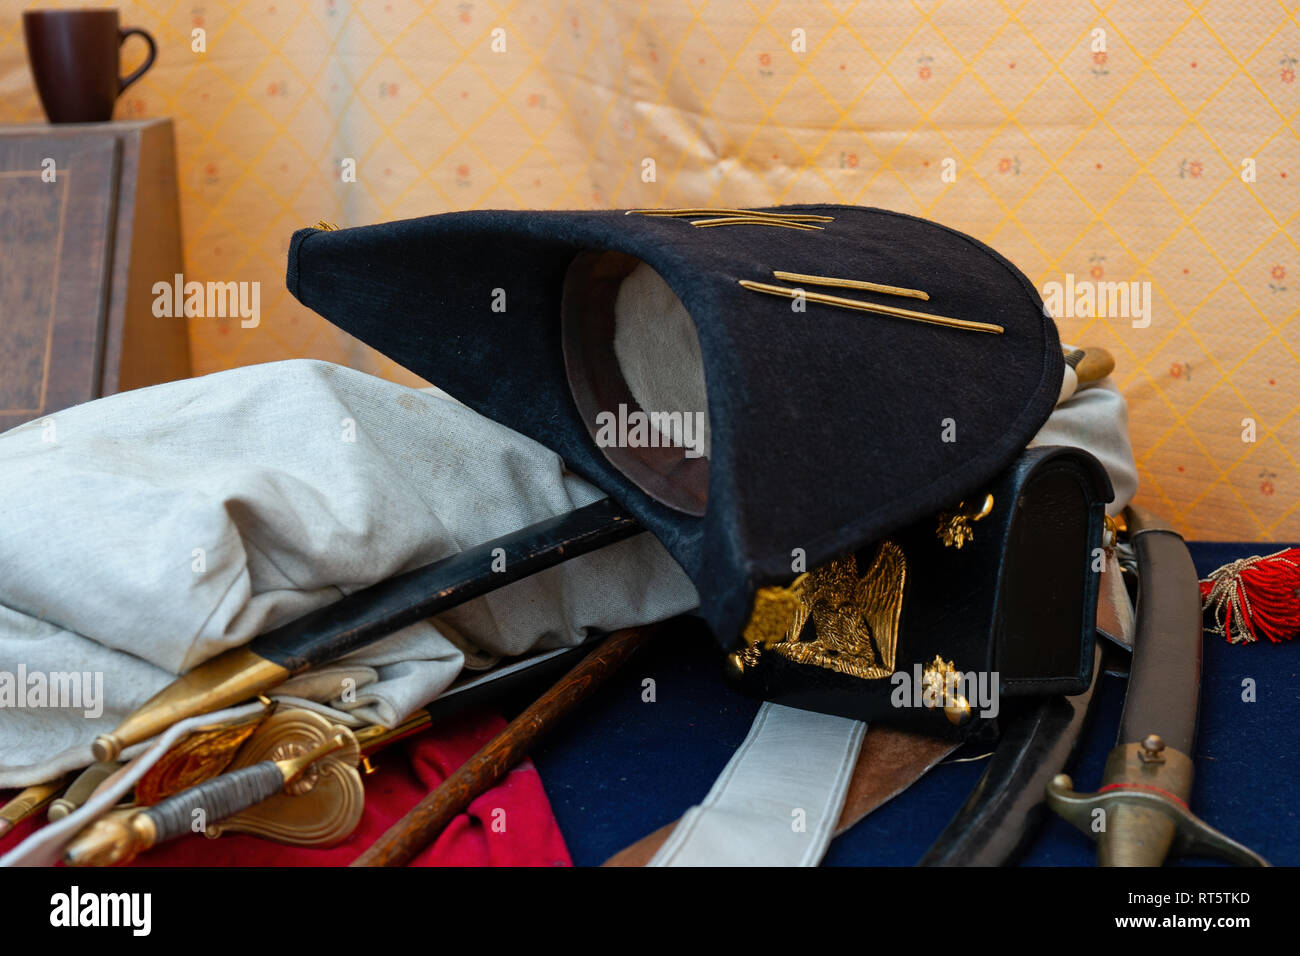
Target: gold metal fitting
1110, 533
293, 766
955, 526
81, 789
939, 681
1152, 749
735, 665
29, 801
229, 678
1094, 365
113, 839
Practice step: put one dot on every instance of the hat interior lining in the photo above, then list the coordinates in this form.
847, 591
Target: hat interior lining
598, 385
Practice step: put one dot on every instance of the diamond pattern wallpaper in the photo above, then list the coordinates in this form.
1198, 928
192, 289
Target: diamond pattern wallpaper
1140, 157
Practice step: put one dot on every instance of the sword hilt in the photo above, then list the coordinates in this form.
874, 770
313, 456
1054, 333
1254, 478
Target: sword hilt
1137, 817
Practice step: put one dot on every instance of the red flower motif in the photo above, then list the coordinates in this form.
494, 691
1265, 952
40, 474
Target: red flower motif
765, 59
1266, 487
1004, 164
1195, 168
1176, 370
1099, 57
1288, 75
462, 171
1278, 273
924, 73
1096, 272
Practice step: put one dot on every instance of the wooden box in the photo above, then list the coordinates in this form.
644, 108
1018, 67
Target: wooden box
91, 220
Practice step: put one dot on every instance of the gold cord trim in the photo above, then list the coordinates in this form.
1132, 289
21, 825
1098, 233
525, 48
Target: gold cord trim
861, 284
723, 211
844, 303
753, 221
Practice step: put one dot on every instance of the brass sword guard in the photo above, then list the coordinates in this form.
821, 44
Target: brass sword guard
126, 831
320, 807
1142, 817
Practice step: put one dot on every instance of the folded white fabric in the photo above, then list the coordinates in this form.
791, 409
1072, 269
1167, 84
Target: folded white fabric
1095, 418
143, 533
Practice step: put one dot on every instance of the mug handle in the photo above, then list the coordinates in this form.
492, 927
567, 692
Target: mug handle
124, 82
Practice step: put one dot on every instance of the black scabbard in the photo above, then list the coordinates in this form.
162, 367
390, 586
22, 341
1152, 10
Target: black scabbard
365, 616
1005, 809
1164, 685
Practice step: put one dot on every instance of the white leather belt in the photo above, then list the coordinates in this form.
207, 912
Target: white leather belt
777, 801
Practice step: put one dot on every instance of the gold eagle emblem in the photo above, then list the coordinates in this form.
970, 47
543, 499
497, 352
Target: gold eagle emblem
854, 619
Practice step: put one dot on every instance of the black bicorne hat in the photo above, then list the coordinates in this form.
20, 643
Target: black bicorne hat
864, 369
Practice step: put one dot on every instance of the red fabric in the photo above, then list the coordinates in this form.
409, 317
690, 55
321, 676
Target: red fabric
525, 834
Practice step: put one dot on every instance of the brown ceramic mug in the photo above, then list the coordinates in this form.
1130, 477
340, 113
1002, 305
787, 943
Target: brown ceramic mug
74, 55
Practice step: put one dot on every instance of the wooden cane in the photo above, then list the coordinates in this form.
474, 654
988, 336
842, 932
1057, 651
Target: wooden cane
404, 840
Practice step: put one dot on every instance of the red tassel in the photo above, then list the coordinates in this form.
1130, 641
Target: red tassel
1255, 597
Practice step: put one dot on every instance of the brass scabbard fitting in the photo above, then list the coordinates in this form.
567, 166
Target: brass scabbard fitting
229, 678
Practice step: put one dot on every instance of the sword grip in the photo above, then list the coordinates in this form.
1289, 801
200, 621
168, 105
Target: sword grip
218, 798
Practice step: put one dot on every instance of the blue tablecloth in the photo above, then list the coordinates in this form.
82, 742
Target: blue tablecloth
622, 767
